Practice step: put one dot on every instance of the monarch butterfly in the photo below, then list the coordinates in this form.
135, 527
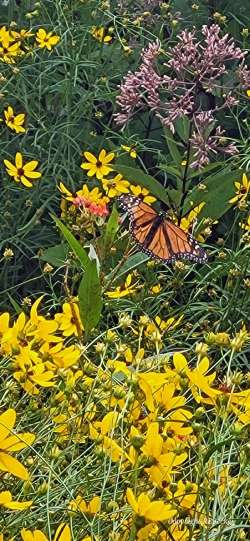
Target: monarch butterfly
157, 236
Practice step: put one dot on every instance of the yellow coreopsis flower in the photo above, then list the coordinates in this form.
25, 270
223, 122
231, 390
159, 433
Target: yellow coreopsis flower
7, 501
46, 39
9, 50
14, 122
242, 190
131, 150
98, 166
91, 508
31, 372
115, 186
122, 291
10, 442
100, 34
62, 534
21, 172
153, 511
69, 321
186, 494
143, 193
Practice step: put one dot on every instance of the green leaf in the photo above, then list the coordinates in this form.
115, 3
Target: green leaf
17, 308
90, 298
107, 239
177, 157
132, 262
219, 189
55, 255
173, 171
136, 176
182, 127
75, 246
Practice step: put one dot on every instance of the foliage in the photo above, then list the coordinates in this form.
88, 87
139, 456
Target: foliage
124, 383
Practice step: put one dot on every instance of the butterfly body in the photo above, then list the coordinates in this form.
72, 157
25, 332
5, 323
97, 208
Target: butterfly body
155, 235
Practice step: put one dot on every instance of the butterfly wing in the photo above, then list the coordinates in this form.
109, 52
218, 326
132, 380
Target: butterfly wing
157, 236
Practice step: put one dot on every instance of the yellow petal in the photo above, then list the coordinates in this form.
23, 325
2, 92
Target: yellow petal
5, 497
12, 465
18, 442
19, 506
90, 157
30, 166
131, 500
7, 422
62, 533
26, 535
19, 160
180, 362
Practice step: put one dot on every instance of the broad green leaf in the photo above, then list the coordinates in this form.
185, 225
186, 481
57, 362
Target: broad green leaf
107, 239
219, 189
136, 176
90, 298
55, 255
132, 262
75, 246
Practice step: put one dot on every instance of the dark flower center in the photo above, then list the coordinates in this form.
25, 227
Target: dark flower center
20, 172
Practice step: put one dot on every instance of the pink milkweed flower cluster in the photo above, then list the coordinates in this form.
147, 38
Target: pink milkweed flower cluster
93, 208
193, 75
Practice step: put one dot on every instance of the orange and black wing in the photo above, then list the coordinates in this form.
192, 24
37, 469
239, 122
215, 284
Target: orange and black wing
157, 236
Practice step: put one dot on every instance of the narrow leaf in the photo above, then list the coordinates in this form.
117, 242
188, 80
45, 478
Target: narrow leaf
107, 240
90, 299
75, 246
173, 148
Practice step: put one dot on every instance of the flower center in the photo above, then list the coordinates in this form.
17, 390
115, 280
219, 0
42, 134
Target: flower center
20, 172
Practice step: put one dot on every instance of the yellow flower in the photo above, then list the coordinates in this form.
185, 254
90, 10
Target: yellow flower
248, 93
115, 186
62, 534
7, 501
152, 511
123, 290
14, 122
246, 225
186, 494
131, 150
240, 339
10, 442
164, 463
8, 49
45, 39
98, 166
91, 508
69, 321
31, 371
138, 191
99, 33
156, 289
22, 172
242, 190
